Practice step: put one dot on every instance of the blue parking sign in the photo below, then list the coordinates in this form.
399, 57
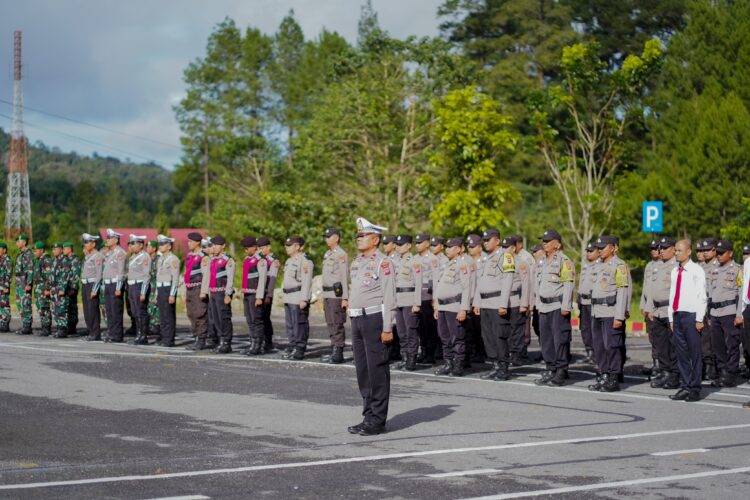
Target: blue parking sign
653, 220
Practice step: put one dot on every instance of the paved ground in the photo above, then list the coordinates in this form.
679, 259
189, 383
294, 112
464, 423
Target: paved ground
91, 420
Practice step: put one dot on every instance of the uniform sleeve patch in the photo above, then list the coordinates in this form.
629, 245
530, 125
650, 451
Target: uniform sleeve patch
621, 276
567, 273
739, 278
509, 265
342, 258
176, 264
386, 268
305, 268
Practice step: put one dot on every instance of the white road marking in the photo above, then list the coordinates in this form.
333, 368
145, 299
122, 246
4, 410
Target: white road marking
370, 458
172, 355
615, 484
186, 497
464, 473
679, 452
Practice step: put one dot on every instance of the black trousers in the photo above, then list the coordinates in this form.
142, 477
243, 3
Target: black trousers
371, 362
650, 332
407, 323
167, 313
113, 305
428, 335
707, 346
297, 325
517, 325
138, 308
726, 343
267, 325
494, 335
221, 316
72, 310
585, 325
665, 352
554, 339
688, 346
335, 318
610, 340
91, 312
197, 311
473, 327
253, 316
452, 335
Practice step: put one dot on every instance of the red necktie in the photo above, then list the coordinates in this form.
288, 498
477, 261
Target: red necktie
676, 303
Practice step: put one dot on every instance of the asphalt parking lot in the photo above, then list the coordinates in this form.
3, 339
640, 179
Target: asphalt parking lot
94, 420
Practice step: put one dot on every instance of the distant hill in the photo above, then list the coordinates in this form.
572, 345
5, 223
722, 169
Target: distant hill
71, 193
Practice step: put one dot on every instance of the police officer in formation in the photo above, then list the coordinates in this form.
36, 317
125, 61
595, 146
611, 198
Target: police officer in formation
91, 279
297, 288
706, 253
113, 279
585, 287
254, 268
408, 280
335, 292
139, 286
154, 326
218, 288
6, 275
518, 309
167, 284
196, 307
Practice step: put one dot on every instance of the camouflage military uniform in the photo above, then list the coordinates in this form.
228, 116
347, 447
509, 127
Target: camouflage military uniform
153, 308
24, 271
42, 274
75, 267
59, 286
6, 272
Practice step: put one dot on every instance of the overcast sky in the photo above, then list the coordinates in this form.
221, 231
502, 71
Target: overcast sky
118, 64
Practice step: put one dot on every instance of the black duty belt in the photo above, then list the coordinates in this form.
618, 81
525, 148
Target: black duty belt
584, 296
490, 295
604, 301
327, 288
517, 292
719, 305
405, 289
449, 300
292, 290
551, 300
661, 303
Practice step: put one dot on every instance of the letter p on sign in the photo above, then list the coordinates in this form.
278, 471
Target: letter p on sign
652, 217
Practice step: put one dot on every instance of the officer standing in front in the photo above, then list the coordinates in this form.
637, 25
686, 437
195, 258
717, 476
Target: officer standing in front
610, 302
335, 292
91, 278
297, 288
725, 314
491, 299
554, 300
452, 303
113, 276
6, 276
167, 283
372, 298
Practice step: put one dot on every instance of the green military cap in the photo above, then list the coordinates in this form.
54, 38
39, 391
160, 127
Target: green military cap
57, 244
67, 244
39, 244
3, 245
153, 243
24, 237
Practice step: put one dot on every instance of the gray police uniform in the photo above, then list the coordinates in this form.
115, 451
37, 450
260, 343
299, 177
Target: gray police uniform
453, 294
372, 299
297, 287
335, 291
408, 282
610, 301
265, 291
492, 292
91, 278
254, 271
554, 294
428, 329
657, 302
707, 347
648, 273
519, 298
139, 284
167, 282
725, 305
585, 286
113, 276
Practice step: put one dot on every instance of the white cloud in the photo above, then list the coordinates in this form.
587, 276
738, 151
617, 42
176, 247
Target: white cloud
119, 64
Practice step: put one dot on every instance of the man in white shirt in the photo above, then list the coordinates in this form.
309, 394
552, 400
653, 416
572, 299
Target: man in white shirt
687, 306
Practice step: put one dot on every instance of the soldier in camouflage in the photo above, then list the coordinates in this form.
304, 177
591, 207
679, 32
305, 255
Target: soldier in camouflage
59, 285
6, 273
24, 270
41, 276
75, 265
153, 309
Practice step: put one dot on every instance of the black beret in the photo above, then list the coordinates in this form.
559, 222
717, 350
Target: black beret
473, 240
421, 237
263, 241
195, 237
294, 239
389, 238
218, 240
331, 231
724, 246
509, 241
606, 239
489, 233
706, 244
590, 246
654, 244
454, 242
667, 242
403, 239
746, 250
551, 234
249, 241
436, 240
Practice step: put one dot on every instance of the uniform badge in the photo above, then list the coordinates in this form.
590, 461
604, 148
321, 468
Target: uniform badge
342, 258
386, 268
621, 276
304, 268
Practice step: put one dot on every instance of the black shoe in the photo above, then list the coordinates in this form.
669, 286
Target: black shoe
268, 347
224, 348
354, 429
166, 343
693, 396
458, 369
680, 395
516, 360
210, 344
411, 362
502, 373
140, 340
4, 328
658, 382
600, 380
559, 378
611, 385
371, 430
446, 369
546, 377
23, 331
337, 355
45, 332
672, 381
746, 404
199, 345
491, 375
298, 354
61, 334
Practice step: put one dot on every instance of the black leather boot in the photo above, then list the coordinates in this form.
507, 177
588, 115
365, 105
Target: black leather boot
458, 368
611, 385
596, 386
558, 379
337, 355
671, 381
658, 382
492, 373
4, 327
502, 373
225, 347
298, 354
446, 369
199, 345
61, 333
546, 377
411, 362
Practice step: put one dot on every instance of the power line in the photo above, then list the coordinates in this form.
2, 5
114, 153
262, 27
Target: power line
88, 141
73, 120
